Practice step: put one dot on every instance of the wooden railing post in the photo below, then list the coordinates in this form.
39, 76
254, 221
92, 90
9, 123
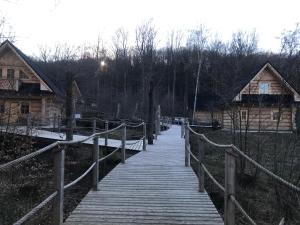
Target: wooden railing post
106, 135
123, 152
187, 145
28, 125
59, 171
54, 122
95, 158
200, 169
59, 123
182, 128
145, 136
230, 180
158, 120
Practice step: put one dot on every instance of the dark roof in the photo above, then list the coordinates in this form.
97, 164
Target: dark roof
54, 87
212, 98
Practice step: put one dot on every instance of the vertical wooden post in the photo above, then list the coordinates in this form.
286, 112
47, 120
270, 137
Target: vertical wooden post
95, 158
59, 170
229, 207
28, 124
200, 169
54, 122
187, 145
123, 153
155, 124
182, 128
145, 136
158, 120
59, 123
106, 135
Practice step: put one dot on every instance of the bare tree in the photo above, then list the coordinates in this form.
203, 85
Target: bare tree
198, 41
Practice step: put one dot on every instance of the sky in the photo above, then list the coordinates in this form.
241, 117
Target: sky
48, 22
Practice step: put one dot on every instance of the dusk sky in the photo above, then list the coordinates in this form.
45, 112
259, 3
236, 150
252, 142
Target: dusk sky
75, 22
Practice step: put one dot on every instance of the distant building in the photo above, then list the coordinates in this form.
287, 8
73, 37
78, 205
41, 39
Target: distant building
266, 102
25, 89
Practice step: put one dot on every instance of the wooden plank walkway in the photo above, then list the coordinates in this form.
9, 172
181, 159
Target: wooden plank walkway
152, 187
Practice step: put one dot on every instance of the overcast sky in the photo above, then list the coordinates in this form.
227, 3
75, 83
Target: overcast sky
47, 22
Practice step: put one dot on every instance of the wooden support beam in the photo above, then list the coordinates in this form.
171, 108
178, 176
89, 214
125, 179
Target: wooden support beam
59, 171
145, 136
123, 152
230, 165
200, 169
187, 145
106, 135
95, 158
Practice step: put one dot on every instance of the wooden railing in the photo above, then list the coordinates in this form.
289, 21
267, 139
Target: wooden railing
59, 149
229, 188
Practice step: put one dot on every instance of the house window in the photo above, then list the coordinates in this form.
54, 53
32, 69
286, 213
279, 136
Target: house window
0, 73
263, 88
275, 115
10, 74
244, 115
24, 108
23, 75
2, 108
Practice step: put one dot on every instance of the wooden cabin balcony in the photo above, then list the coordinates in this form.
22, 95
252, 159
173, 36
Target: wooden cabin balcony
267, 99
9, 84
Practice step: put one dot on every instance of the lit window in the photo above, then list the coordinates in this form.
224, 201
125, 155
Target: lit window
263, 88
244, 115
0, 73
24, 108
2, 108
276, 115
23, 75
10, 74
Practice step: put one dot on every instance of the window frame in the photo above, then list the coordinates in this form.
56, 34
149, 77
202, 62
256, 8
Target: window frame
23, 104
7, 74
241, 113
264, 83
272, 115
21, 72
2, 108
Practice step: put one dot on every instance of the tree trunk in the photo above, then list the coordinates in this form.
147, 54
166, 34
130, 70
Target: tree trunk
69, 106
150, 114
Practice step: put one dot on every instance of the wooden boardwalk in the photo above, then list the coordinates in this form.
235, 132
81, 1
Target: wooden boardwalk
152, 187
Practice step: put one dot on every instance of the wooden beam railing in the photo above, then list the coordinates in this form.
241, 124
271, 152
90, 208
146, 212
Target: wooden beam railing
59, 149
231, 154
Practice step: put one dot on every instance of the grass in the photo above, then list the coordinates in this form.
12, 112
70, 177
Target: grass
264, 200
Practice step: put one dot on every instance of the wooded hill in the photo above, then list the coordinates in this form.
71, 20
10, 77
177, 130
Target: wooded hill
222, 69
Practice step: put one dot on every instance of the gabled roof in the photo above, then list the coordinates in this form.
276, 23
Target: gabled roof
42, 76
277, 74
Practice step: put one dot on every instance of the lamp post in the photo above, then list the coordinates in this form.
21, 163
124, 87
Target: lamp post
100, 70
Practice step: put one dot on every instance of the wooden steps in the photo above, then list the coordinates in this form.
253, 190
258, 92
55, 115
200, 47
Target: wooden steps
152, 187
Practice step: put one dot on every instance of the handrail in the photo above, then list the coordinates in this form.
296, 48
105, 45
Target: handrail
58, 195
109, 155
59, 158
80, 177
229, 174
57, 143
253, 162
35, 209
134, 126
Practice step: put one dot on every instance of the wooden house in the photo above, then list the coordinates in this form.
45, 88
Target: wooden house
267, 102
25, 89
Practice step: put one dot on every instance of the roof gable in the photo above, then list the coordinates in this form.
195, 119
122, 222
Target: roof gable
277, 75
46, 82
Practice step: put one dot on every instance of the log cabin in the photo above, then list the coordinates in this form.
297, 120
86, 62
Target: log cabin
266, 102
26, 90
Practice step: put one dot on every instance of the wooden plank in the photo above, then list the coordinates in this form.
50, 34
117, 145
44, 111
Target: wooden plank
152, 187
